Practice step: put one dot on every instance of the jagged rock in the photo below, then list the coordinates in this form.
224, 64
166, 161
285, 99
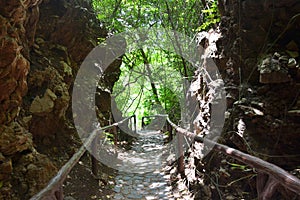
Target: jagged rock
208, 42
42, 106
78, 32
14, 66
51, 75
53, 104
13, 139
5, 176
274, 69
32, 173
2, 158
67, 69
272, 126
13, 79
292, 63
5, 169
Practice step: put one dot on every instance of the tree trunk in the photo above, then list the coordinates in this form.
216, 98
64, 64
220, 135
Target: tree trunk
149, 74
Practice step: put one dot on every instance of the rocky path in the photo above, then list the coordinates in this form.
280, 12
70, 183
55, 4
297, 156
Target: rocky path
141, 174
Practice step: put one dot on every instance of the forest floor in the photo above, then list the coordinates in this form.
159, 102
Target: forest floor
228, 179
81, 184
162, 182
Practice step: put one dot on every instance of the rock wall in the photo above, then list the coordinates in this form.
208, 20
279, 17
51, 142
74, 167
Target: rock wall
15, 16
259, 60
42, 45
253, 29
260, 64
18, 21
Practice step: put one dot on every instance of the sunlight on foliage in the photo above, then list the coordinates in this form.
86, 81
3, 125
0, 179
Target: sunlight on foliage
187, 17
134, 91
211, 16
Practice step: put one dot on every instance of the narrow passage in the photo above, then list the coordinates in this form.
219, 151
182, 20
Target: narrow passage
146, 178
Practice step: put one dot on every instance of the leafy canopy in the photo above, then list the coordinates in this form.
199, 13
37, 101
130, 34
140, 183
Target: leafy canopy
120, 15
136, 92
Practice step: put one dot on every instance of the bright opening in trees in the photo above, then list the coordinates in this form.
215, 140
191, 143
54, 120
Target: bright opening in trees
149, 84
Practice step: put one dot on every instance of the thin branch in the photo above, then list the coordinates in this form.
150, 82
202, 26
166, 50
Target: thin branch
149, 73
138, 104
127, 84
176, 39
117, 6
140, 92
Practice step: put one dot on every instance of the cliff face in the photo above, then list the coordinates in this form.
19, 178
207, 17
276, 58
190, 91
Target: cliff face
259, 59
261, 46
15, 43
17, 156
66, 33
42, 45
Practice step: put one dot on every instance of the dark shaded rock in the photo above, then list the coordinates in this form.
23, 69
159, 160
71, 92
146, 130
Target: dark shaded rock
253, 28
31, 174
48, 108
251, 32
14, 139
72, 25
261, 119
14, 16
274, 77
55, 43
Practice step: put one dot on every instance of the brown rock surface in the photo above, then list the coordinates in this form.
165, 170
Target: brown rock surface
262, 117
31, 174
16, 152
14, 139
55, 45
44, 105
14, 66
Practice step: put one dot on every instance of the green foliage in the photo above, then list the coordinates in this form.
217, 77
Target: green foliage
184, 16
211, 16
120, 15
171, 103
133, 90
134, 93
109, 137
239, 166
